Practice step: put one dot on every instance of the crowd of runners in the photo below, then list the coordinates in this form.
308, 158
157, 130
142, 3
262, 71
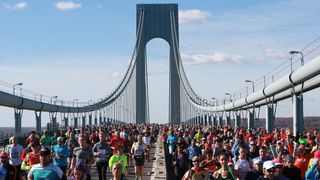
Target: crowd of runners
71, 154
198, 152
192, 152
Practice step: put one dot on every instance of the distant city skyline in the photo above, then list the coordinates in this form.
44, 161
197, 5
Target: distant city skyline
81, 49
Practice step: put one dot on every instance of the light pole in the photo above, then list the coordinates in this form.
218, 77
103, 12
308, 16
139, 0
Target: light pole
53, 97
298, 52
215, 101
252, 85
227, 94
76, 100
14, 87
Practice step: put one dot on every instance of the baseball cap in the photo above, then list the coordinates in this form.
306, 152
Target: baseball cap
268, 164
195, 158
257, 161
3, 154
44, 151
60, 138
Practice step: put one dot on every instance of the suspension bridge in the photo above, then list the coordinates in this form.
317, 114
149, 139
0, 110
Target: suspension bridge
129, 102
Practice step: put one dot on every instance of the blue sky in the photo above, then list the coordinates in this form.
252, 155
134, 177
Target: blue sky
81, 49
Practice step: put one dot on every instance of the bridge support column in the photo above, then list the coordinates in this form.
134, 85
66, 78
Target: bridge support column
100, 118
201, 119
75, 121
90, 119
214, 120
38, 120
17, 120
66, 120
270, 118
238, 120
210, 119
205, 117
220, 120
250, 119
95, 118
298, 124
83, 125
228, 119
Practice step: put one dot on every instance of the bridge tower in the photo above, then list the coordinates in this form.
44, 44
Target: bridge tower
157, 24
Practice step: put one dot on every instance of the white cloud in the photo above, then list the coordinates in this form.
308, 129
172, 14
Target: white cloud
17, 6
67, 5
193, 16
275, 54
272, 54
216, 57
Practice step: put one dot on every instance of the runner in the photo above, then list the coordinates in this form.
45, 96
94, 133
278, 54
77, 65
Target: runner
102, 152
45, 169
7, 171
15, 152
83, 155
60, 154
121, 158
137, 150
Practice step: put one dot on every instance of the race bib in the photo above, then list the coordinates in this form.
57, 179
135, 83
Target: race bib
14, 155
102, 151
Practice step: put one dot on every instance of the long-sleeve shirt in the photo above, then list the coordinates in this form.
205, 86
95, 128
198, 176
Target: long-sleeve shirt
312, 173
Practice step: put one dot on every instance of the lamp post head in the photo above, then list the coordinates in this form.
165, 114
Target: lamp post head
298, 52
294, 52
19, 84
248, 81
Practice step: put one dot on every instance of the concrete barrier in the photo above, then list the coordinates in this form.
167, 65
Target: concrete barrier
159, 166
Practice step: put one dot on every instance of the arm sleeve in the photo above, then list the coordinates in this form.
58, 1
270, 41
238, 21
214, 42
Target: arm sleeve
310, 174
273, 151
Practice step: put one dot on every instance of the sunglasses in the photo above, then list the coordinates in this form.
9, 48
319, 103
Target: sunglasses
195, 161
